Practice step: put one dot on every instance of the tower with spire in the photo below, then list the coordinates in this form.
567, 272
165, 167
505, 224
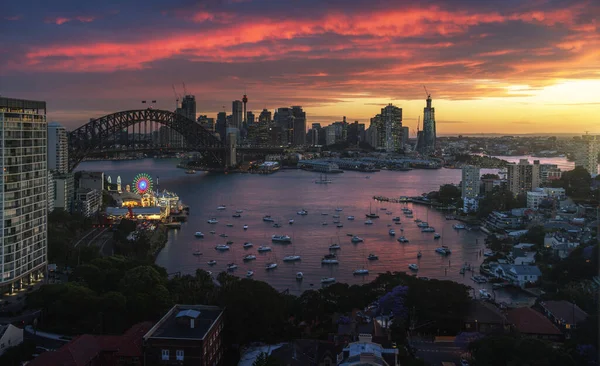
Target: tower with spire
245, 100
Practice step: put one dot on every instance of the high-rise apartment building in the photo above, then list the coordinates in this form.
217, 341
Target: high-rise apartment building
250, 118
429, 130
58, 148
237, 114
284, 119
523, 177
23, 225
188, 107
405, 136
330, 135
389, 128
586, 154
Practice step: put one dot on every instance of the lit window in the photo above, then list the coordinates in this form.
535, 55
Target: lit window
179, 355
165, 355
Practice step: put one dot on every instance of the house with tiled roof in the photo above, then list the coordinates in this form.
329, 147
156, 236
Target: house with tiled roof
518, 275
566, 315
98, 350
532, 323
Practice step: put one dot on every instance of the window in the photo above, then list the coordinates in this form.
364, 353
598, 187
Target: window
179, 355
165, 355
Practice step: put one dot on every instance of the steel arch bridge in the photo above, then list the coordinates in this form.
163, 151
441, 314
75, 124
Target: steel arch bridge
93, 135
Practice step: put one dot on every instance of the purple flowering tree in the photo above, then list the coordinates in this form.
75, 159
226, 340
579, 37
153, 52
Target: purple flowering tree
394, 302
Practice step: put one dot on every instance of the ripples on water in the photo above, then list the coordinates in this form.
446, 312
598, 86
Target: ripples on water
281, 195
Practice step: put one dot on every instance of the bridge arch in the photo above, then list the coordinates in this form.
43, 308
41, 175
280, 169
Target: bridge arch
89, 137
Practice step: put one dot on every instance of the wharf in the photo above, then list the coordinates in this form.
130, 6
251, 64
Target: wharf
404, 199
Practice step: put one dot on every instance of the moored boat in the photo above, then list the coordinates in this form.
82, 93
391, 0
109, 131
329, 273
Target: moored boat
361, 271
199, 234
271, 265
222, 247
248, 245
413, 267
356, 239
281, 238
326, 280
250, 273
291, 258
264, 249
372, 257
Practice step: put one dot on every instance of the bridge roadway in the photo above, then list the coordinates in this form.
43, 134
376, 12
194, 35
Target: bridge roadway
241, 149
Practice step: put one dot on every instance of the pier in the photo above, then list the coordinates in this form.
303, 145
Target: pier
404, 199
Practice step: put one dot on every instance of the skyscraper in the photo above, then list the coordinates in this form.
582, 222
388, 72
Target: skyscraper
188, 107
250, 118
245, 101
265, 117
237, 114
586, 154
23, 228
299, 135
523, 177
58, 148
284, 119
405, 136
429, 131
388, 125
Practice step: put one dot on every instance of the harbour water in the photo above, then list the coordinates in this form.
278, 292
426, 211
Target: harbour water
281, 195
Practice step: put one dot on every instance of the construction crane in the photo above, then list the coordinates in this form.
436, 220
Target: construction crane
426, 92
184, 91
177, 96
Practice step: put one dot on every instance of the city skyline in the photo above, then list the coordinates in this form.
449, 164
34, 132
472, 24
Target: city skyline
505, 67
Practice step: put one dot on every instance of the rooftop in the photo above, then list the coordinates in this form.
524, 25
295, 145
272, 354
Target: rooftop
484, 312
185, 322
525, 270
564, 310
529, 321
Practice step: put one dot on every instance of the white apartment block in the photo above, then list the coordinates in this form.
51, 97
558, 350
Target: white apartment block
587, 154
24, 199
58, 148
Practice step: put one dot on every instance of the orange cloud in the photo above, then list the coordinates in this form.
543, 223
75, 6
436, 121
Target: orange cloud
63, 20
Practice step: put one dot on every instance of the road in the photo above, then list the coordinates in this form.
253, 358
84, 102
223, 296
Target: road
436, 353
99, 237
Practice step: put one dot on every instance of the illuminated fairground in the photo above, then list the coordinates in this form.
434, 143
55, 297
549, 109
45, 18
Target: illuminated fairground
140, 201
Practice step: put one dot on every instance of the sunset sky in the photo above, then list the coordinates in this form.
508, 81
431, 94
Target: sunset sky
502, 66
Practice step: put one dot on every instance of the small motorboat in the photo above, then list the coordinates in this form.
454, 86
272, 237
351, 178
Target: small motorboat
397, 218
356, 239
291, 258
329, 261
291, 221
443, 250
268, 218
222, 207
459, 227
245, 227
339, 225
428, 230
339, 209
302, 212
213, 232
222, 247
368, 222
281, 238
264, 249
372, 257
236, 215
249, 257
212, 262
324, 213
392, 232
413, 267
334, 247
419, 255
250, 273
229, 225
324, 223
276, 225
223, 235
361, 271
325, 280
231, 266
484, 294
436, 236
402, 239
247, 245
213, 221
336, 216
299, 276
239, 211
350, 218
199, 234
270, 266
197, 253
